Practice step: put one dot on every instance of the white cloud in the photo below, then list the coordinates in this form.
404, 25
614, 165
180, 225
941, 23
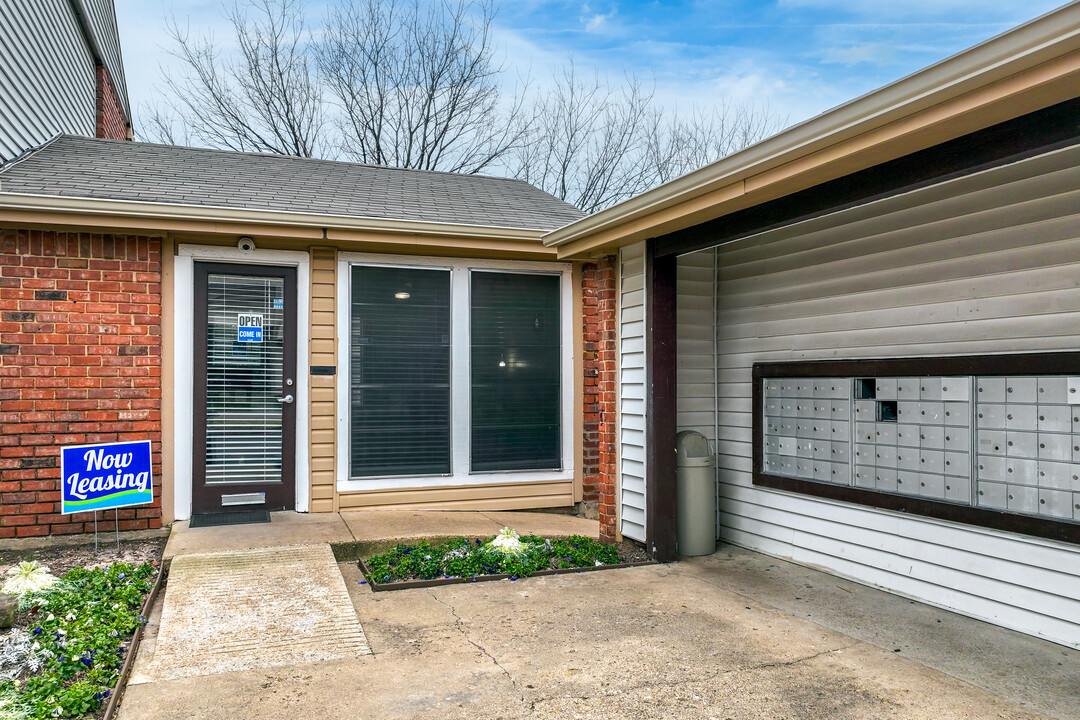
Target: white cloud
595, 21
875, 53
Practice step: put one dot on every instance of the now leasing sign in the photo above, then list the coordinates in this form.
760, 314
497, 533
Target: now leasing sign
99, 477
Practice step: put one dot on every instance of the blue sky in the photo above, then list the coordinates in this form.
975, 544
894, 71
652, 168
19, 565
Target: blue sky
800, 57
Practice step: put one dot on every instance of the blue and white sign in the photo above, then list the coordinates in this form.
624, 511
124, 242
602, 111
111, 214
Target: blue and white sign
249, 327
110, 475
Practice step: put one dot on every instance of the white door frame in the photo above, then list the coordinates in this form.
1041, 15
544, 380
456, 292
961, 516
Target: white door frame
183, 379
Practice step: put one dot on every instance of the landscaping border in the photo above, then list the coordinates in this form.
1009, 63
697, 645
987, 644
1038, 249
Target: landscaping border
115, 697
436, 582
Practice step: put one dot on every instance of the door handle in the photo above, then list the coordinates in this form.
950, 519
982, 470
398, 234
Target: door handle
287, 400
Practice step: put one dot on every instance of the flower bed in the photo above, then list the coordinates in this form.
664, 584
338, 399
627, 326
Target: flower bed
505, 556
67, 658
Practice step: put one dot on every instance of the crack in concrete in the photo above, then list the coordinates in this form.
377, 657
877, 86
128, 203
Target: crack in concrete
682, 681
532, 705
460, 626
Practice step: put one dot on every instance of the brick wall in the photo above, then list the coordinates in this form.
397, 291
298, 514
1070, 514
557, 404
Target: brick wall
80, 362
109, 117
600, 316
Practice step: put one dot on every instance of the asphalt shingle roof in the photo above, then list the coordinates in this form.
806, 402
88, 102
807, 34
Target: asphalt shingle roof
72, 166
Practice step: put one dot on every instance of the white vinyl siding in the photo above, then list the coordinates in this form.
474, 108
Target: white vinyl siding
632, 391
47, 80
696, 371
984, 264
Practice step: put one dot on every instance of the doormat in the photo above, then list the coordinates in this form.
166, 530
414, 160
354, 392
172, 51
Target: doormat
245, 517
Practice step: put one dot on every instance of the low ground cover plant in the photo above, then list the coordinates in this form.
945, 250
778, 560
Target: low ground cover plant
68, 659
505, 553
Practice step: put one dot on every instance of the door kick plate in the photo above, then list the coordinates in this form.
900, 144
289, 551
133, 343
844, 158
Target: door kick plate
243, 499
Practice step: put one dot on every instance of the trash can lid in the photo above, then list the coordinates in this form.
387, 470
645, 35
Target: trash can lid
692, 449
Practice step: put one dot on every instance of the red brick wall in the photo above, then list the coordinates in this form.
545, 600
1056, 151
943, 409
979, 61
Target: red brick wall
600, 315
110, 123
80, 362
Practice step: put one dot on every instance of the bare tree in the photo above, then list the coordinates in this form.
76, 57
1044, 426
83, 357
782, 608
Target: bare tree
265, 97
676, 144
417, 84
585, 141
595, 145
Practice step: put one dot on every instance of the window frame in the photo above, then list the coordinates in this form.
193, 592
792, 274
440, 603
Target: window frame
461, 473
1049, 363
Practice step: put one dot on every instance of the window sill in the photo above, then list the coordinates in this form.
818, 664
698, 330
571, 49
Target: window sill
455, 481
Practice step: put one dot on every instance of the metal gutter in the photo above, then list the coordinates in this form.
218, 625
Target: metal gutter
1039, 41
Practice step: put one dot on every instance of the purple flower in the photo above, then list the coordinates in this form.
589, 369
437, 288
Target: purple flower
37, 631
362, 582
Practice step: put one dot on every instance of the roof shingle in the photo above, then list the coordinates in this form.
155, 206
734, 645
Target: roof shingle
72, 166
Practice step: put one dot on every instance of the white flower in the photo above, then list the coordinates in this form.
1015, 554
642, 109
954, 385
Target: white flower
28, 577
50, 618
507, 541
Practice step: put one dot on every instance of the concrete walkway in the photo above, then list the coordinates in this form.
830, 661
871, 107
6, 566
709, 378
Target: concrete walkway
368, 527
735, 635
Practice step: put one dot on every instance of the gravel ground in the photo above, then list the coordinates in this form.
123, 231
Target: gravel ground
60, 559
631, 553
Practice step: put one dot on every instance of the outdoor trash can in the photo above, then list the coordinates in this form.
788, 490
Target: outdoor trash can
696, 488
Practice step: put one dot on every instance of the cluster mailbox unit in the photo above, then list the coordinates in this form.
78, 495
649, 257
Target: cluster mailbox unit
990, 442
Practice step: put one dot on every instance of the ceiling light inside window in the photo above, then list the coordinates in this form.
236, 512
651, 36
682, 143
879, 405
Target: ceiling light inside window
402, 295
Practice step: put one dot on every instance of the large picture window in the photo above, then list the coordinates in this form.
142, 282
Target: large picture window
458, 373
515, 372
400, 372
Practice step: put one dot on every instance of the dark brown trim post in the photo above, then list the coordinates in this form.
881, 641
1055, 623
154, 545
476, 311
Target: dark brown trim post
660, 395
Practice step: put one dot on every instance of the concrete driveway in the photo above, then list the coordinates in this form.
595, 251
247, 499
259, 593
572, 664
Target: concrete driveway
708, 638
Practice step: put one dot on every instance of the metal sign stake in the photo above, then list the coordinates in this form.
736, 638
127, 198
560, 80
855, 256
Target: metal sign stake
116, 524
95, 532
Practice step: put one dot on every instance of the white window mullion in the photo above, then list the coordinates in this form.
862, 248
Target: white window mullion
460, 372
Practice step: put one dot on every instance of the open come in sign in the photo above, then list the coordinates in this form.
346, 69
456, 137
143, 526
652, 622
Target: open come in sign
99, 477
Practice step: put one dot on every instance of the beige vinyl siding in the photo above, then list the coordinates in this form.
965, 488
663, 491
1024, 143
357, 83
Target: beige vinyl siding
696, 371
47, 80
323, 351
632, 391
500, 496
985, 264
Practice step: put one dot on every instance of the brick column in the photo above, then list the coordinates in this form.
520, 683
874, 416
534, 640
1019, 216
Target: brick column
80, 362
109, 119
600, 456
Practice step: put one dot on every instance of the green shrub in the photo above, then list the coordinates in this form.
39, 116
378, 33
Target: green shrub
82, 625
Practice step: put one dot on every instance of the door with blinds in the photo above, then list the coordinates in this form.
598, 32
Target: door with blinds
245, 388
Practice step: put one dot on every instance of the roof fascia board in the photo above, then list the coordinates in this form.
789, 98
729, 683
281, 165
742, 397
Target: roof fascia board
155, 213
1040, 41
